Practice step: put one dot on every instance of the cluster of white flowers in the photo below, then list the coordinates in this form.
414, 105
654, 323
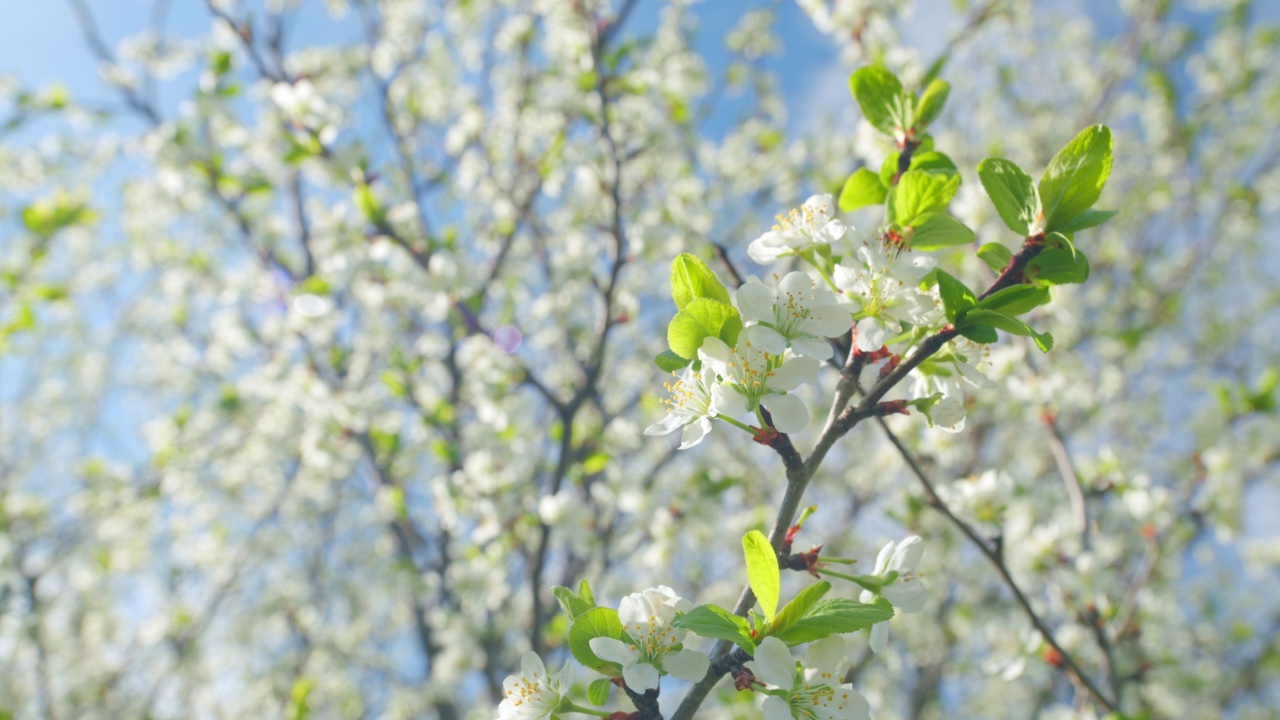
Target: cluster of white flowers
811, 691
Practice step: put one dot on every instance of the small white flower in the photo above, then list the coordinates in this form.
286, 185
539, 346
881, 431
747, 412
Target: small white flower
797, 313
760, 376
885, 292
804, 228
646, 617
815, 693
534, 694
904, 589
695, 398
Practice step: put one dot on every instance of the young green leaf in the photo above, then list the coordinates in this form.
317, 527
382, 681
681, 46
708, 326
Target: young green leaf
598, 691
799, 605
1088, 219
594, 623
979, 317
835, 616
995, 255
700, 319
670, 362
1060, 263
927, 160
863, 188
762, 571
1074, 179
572, 603
957, 298
937, 230
1013, 193
1017, 299
919, 192
713, 621
931, 102
880, 95
692, 279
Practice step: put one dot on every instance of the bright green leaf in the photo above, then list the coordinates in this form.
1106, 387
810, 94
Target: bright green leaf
880, 95
700, 319
670, 362
692, 279
957, 298
863, 188
931, 102
1074, 179
800, 605
594, 623
598, 691
982, 334
835, 616
1012, 192
937, 230
713, 621
998, 320
1088, 219
762, 571
995, 255
919, 192
1017, 299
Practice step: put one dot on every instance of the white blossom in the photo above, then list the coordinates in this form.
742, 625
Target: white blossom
895, 565
884, 289
797, 314
811, 693
760, 376
807, 227
534, 693
695, 399
656, 646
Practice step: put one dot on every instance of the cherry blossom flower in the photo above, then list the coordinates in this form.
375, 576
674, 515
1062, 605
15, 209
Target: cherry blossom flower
760, 376
656, 646
695, 398
884, 290
534, 693
902, 587
797, 313
805, 228
811, 694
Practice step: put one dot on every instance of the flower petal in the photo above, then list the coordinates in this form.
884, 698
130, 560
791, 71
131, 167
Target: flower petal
633, 612
775, 708
907, 554
688, 665
755, 301
531, 666
716, 354
789, 412
694, 432
613, 650
794, 373
773, 663
767, 339
668, 424
796, 282
906, 594
871, 334
812, 348
879, 636
728, 402
826, 655
640, 677
828, 321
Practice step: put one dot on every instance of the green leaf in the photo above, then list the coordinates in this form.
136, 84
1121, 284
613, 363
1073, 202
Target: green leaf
995, 255
919, 192
835, 616
957, 298
1060, 263
713, 621
594, 623
1088, 219
928, 160
1074, 179
1017, 299
670, 362
700, 319
799, 606
990, 318
598, 691
883, 101
1012, 192
596, 462
692, 279
937, 230
762, 571
863, 188
931, 102
982, 334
